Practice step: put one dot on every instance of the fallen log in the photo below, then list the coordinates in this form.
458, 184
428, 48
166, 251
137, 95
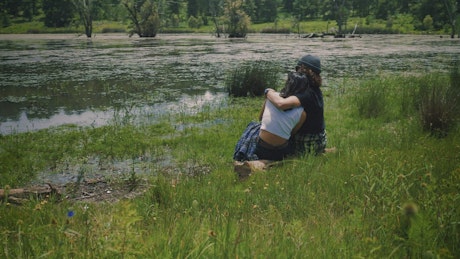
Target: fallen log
20, 195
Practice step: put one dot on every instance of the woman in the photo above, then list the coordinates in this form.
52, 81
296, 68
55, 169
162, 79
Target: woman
277, 125
311, 136
269, 139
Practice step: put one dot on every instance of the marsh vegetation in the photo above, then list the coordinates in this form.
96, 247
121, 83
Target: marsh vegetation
391, 189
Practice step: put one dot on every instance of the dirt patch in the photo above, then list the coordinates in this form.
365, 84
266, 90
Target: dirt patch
95, 180
88, 190
103, 190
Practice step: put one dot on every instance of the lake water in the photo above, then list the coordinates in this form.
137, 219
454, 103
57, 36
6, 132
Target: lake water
51, 80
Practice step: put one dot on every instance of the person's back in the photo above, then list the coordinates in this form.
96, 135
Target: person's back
279, 122
277, 125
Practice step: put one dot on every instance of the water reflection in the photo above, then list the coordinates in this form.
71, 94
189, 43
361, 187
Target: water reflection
146, 114
50, 80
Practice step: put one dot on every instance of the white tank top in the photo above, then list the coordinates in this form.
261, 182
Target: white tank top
280, 122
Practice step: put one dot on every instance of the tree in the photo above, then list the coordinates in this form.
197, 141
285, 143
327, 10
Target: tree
174, 7
362, 8
85, 9
236, 19
111, 10
436, 9
58, 13
216, 8
145, 17
11, 7
304, 9
192, 8
340, 14
266, 10
452, 12
300, 9
428, 22
288, 5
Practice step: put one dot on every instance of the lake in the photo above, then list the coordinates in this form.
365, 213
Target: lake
51, 80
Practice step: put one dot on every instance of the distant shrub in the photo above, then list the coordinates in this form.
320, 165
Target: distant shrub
372, 30
194, 22
33, 31
251, 79
112, 30
4, 19
276, 30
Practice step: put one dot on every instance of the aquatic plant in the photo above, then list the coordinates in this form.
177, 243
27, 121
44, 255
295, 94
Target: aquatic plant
251, 78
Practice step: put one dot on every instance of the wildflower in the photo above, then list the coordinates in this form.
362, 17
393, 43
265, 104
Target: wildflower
211, 233
70, 213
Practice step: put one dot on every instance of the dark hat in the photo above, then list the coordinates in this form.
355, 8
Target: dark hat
311, 62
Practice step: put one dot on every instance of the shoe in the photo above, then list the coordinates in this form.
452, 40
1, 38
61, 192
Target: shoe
242, 169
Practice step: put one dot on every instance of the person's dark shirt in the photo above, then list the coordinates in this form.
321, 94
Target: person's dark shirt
312, 102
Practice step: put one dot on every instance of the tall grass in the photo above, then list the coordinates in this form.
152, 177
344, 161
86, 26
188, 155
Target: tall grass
439, 103
433, 99
391, 190
251, 78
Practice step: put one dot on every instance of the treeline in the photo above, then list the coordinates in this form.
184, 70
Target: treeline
424, 15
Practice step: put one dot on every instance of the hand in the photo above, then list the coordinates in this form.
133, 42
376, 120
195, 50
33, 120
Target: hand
268, 90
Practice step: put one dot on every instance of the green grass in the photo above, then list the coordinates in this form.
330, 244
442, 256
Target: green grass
35, 27
391, 190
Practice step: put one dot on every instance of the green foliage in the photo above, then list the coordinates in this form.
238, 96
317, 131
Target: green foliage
236, 20
194, 22
58, 13
4, 20
428, 22
395, 16
251, 78
144, 16
403, 23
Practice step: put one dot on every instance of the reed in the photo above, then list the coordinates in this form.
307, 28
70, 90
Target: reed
252, 78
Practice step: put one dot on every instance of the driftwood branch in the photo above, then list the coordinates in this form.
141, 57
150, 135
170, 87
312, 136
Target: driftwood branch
18, 196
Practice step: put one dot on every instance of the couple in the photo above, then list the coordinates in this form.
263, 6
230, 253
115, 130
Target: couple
292, 121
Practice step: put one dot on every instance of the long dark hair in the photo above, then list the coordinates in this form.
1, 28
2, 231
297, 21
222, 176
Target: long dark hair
295, 83
315, 79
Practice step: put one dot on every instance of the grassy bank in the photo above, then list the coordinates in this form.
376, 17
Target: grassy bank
391, 190
281, 25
